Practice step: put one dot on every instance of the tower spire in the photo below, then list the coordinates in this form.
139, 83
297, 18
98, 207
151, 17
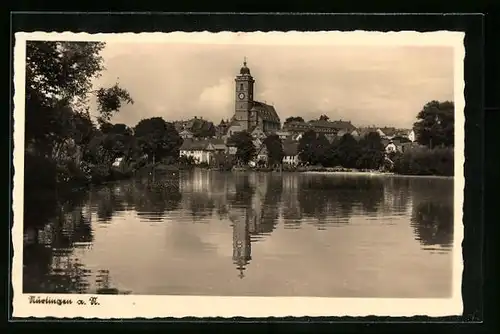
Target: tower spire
245, 61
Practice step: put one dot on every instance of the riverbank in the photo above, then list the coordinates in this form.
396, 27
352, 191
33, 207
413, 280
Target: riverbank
288, 169
375, 173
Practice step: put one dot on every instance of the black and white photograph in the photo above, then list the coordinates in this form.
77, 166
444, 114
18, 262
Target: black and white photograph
244, 174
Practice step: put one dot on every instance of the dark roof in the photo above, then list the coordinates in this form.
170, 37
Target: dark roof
389, 131
244, 70
364, 131
401, 139
266, 112
256, 129
217, 141
338, 125
194, 145
233, 122
296, 126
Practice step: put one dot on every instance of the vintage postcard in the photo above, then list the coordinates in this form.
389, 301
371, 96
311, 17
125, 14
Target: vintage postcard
238, 174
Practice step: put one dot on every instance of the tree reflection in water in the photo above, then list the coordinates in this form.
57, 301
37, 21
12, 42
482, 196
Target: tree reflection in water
432, 216
53, 236
150, 199
433, 223
332, 200
49, 262
153, 199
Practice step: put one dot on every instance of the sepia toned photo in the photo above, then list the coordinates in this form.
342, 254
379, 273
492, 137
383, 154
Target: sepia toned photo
238, 174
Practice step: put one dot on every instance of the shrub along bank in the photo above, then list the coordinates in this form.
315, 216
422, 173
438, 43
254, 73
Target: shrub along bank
425, 161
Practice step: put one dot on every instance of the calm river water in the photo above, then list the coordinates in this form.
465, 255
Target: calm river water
247, 234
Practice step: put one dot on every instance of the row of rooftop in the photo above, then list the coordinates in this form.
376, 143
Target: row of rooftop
201, 128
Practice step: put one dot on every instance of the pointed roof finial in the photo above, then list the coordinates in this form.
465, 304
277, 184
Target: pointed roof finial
245, 61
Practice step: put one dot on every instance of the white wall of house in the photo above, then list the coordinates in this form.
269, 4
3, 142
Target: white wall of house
262, 156
200, 156
118, 161
390, 148
291, 159
411, 136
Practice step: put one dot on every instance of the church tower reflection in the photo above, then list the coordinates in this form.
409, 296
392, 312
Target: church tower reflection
243, 226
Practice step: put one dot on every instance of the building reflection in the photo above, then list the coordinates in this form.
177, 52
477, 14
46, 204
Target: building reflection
242, 245
254, 213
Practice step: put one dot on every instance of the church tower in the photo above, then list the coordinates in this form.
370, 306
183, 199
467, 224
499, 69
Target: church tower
244, 96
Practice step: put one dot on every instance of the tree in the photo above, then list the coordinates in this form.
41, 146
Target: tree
435, 124
274, 148
322, 147
110, 100
371, 151
314, 148
157, 138
324, 118
245, 149
331, 158
347, 151
59, 77
307, 146
294, 119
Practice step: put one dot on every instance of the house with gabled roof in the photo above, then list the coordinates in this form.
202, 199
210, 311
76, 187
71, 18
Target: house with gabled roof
389, 132
362, 132
296, 127
258, 133
219, 145
234, 127
262, 154
201, 150
186, 134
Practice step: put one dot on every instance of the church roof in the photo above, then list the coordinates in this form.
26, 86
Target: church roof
245, 70
266, 112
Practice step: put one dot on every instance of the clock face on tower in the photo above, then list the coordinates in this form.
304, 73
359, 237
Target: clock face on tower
241, 96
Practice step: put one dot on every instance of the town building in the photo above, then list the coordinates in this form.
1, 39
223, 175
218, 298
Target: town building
186, 134
262, 154
195, 127
202, 150
249, 113
332, 128
221, 129
391, 147
282, 134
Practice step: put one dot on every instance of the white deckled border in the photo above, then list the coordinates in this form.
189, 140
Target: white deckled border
138, 306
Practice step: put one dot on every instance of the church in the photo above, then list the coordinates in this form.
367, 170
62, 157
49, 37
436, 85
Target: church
250, 115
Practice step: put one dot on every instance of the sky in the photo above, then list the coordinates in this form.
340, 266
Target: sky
367, 85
